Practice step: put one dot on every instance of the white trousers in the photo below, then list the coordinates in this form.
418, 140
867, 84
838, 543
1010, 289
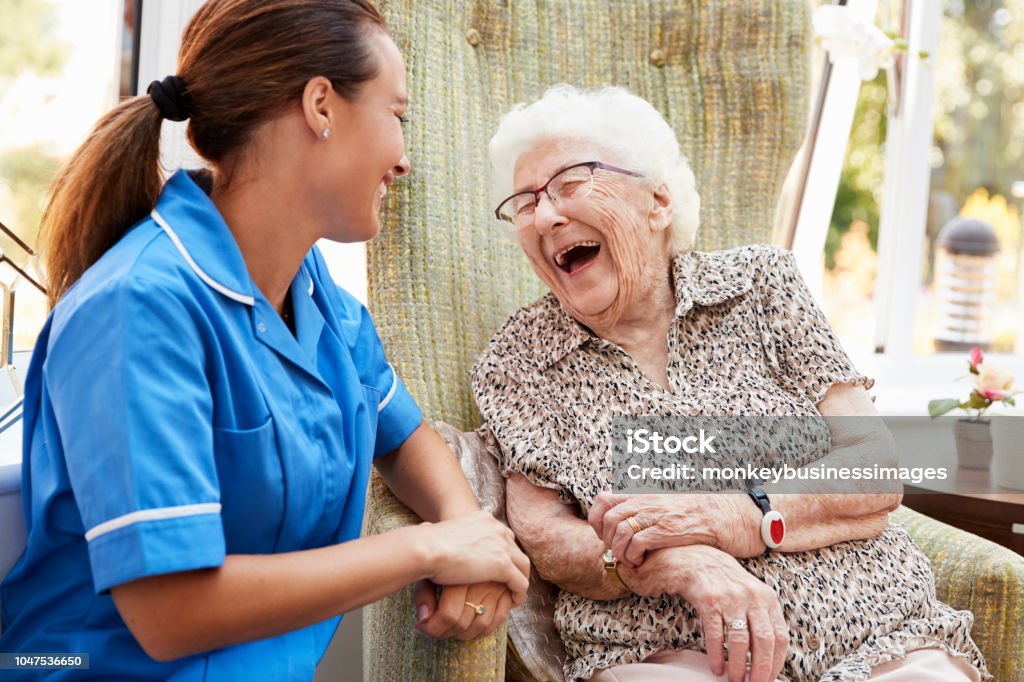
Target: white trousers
923, 665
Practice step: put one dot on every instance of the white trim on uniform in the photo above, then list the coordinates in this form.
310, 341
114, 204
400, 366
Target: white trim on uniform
151, 515
248, 300
391, 392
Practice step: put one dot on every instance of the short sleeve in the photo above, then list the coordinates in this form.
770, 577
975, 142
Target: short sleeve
796, 335
398, 415
125, 376
529, 433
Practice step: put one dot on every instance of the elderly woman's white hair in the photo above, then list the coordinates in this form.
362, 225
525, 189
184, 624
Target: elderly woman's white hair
617, 121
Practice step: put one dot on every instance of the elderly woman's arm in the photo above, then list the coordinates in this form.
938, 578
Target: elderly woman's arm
732, 522
565, 551
562, 546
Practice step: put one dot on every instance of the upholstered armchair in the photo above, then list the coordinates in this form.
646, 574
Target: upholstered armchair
731, 76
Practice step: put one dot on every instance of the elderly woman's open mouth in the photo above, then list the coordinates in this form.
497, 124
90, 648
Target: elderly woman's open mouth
575, 257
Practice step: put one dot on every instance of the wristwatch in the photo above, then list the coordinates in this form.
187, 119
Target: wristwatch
773, 525
611, 570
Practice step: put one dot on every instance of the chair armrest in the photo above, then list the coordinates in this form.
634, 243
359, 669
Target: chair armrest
977, 575
392, 650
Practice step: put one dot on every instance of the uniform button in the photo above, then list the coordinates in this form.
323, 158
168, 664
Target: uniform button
473, 37
261, 327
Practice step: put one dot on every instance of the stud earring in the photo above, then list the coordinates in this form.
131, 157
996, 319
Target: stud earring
326, 133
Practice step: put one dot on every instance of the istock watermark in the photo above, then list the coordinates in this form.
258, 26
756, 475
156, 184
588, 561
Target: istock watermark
792, 454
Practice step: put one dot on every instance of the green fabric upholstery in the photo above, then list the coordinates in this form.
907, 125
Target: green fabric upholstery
980, 576
731, 76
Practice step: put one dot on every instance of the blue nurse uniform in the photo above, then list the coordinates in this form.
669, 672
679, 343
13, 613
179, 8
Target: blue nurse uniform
172, 418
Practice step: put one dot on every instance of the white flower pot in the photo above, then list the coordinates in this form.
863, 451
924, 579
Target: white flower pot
973, 444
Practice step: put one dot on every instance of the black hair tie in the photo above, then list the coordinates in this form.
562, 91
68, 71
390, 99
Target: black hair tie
171, 98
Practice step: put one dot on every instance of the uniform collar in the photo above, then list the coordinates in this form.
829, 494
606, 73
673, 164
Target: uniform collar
188, 216
703, 279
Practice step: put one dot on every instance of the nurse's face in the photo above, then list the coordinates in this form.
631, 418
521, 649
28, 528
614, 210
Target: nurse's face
368, 147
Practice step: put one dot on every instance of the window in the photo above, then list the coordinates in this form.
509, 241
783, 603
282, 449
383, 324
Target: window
63, 63
936, 138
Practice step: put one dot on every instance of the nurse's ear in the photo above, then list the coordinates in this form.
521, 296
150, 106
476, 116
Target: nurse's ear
316, 106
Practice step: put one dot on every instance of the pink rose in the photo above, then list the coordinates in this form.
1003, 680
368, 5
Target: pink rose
993, 382
976, 358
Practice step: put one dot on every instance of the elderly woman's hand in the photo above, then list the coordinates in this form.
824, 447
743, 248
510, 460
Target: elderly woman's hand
734, 607
630, 525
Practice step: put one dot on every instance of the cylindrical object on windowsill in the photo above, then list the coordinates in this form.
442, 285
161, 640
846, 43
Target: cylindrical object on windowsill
966, 277
1007, 436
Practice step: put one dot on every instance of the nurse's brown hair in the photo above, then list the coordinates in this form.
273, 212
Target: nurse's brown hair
242, 62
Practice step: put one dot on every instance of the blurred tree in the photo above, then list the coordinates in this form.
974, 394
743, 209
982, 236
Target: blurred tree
28, 47
860, 185
26, 38
27, 172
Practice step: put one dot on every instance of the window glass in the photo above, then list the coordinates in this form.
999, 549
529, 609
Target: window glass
62, 65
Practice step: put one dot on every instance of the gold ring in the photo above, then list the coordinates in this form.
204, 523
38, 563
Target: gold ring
479, 608
633, 524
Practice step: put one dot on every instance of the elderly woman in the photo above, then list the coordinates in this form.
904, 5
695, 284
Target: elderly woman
604, 206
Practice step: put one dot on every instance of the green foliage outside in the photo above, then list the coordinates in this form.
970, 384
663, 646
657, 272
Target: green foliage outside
26, 38
27, 45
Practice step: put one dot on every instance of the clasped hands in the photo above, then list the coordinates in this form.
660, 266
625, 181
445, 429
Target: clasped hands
450, 611
631, 525
686, 545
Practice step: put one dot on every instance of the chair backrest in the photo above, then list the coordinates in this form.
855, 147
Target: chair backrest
731, 76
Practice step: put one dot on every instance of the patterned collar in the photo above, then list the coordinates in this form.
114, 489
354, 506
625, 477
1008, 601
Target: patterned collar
703, 279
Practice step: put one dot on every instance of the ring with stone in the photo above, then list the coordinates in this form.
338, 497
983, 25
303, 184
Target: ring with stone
479, 608
738, 624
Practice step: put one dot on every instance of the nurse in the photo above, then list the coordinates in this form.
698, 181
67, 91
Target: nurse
204, 403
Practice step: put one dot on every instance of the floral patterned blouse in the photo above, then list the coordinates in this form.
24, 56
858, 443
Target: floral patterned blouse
748, 340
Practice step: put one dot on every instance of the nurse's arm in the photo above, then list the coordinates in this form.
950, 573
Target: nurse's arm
253, 597
424, 476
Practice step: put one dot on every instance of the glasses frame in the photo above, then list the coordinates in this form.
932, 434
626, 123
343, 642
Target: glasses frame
592, 165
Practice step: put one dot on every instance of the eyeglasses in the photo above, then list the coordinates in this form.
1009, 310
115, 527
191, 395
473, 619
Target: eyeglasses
573, 182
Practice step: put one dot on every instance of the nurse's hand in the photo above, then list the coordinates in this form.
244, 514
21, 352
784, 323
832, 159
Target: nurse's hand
452, 615
476, 548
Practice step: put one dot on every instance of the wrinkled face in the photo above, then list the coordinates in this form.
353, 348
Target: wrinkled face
599, 252
368, 145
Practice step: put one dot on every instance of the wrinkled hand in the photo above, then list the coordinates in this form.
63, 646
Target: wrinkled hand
451, 617
476, 548
722, 592
727, 521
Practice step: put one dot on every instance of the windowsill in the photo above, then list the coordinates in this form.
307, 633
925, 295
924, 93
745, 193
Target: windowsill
904, 386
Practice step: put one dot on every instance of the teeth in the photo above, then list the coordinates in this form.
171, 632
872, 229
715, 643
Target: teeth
560, 256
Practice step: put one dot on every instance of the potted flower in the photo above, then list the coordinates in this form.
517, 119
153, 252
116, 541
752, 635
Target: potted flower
992, 384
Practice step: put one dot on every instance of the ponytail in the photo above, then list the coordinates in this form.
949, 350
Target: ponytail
111, 182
